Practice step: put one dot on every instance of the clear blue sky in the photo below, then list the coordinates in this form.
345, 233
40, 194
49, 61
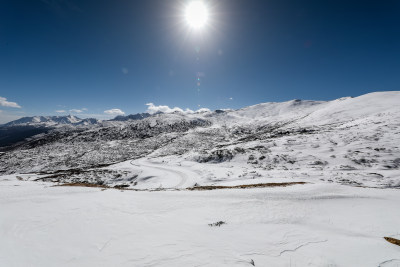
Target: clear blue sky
102, 54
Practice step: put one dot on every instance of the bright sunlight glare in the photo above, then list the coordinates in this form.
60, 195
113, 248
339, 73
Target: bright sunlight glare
196, 14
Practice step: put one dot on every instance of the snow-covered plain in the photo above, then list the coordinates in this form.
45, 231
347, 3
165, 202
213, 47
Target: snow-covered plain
303, 225
347, 150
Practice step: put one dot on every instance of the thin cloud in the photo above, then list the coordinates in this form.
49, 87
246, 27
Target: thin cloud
151, 108
75, 110
114, 111
5, 103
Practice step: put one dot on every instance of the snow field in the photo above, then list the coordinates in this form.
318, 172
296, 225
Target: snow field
302, 225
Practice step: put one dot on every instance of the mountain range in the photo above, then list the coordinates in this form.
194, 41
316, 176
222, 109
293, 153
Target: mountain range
51, 121
355, 140
20, 129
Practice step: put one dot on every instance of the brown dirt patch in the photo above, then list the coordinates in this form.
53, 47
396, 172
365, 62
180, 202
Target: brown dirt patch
211, 187
84, 185
195, 188
392, 240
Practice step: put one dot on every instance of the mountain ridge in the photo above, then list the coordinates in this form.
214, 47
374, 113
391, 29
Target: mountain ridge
48, 120
292, 137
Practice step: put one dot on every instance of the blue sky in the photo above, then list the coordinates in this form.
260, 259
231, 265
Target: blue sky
89, 56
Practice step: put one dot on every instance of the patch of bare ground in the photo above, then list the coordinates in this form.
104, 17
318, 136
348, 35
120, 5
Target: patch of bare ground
198, 188
84, 185
392, 240
212, 187
119, 187
216, 224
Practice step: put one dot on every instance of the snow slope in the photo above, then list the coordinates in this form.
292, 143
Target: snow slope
353, 141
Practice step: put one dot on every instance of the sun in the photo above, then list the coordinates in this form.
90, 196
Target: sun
196, 14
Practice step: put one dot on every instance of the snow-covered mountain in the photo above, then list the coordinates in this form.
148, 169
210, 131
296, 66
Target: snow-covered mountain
133, 117
17, 131
50, 121
349, 140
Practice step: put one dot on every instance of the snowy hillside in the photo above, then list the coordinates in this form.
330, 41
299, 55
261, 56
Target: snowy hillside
298, 183
354, 140
134, 117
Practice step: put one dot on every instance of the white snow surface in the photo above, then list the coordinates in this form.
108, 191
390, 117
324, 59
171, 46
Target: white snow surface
304, 225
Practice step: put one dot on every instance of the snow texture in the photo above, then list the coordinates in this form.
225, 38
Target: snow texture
346, 150
304, 225
352, 141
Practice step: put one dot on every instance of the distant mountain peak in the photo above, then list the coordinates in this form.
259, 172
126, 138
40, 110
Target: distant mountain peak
138, 116
49, 121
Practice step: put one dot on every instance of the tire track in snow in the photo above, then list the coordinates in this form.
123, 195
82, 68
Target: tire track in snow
182, 176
